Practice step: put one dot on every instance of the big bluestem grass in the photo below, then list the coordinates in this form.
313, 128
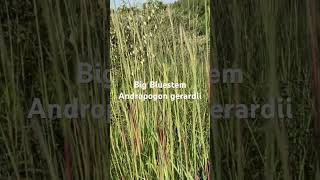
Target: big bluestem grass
268, 40
41, 44
161, 139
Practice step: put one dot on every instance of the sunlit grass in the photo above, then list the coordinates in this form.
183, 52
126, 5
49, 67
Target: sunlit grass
161, 139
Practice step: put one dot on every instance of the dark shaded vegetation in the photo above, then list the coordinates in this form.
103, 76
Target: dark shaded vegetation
270, 42
41, 41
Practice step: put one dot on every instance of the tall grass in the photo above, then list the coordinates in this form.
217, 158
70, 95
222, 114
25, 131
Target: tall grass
41, 43
268, 40
161, 139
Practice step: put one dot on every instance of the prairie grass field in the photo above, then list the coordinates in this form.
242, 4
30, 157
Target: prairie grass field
161, 139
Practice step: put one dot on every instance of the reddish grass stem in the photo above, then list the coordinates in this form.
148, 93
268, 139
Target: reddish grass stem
67, 160
315, 78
